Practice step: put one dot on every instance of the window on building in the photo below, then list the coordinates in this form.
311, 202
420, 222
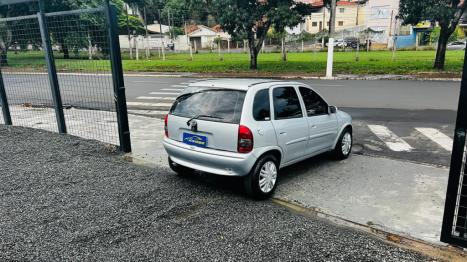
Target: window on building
341, 10
314, 24
405, 30
341, 23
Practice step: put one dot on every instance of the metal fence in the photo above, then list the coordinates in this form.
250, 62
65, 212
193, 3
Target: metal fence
62, 72
454, 229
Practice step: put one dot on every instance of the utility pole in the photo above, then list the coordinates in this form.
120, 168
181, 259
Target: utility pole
168, 21
394, 39
324, 27
188, 42
390, 27
128, 29
357, 58
147, 35
162, 35
332, 28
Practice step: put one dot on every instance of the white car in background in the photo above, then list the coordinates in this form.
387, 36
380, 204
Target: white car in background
457, 45
339, 43
251, 129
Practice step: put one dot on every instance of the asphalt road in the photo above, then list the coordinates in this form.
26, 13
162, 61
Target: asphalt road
405, 108
400, 94
63, 198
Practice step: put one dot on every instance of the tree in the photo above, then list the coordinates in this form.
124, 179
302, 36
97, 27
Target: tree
254, 18
191, 10
447, 13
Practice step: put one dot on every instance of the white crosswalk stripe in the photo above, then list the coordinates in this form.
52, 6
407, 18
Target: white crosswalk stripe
172, 89
394, 142
156, 98
436, 136
147, 112
164, 93
149, 104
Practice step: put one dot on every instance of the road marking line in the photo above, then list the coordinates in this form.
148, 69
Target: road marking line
394, 142
179, 86
149, 82
164, 93
327, 85
149, 104
147, 112
436, 136
172, 89
155, 98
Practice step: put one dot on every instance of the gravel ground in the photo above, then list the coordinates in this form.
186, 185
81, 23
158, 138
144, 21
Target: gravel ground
65, 198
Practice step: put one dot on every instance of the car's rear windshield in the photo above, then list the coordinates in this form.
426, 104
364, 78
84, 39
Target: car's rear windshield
213, 104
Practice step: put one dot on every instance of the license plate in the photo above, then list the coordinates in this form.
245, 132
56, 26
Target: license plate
195, 140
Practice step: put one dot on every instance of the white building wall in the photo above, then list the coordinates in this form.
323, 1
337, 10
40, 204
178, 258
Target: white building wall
381, 15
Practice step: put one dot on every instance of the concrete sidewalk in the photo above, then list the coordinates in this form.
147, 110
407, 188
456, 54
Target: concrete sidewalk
395, 196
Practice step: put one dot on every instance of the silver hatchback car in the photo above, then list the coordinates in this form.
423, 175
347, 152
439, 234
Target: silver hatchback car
252, 129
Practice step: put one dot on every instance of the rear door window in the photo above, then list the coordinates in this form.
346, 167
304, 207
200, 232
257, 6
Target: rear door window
262, 106
286, 103
214, 105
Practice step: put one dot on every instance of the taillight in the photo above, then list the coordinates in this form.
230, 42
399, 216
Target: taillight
245, 140
166, 128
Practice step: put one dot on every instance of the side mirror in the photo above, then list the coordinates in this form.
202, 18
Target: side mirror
332, 110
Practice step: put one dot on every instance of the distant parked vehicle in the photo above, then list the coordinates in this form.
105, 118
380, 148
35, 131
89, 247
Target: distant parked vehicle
458, 45
251, 129
338, 43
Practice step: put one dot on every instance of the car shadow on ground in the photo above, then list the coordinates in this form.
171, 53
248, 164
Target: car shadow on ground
305, 167
234, 185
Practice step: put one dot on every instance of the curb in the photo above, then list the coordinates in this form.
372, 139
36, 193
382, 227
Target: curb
337, 77
239, 75
442, 252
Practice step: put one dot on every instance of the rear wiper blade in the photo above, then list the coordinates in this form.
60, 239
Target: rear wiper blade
198, 116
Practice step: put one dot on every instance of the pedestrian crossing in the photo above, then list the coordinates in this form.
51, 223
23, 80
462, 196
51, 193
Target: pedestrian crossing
438, 137
394, 142
157, 103
398, 144
155, 98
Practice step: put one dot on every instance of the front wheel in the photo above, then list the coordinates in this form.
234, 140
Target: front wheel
344, 145
262, 180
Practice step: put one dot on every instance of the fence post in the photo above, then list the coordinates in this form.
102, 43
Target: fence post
4, 102
457, 170
52, 70
117, 76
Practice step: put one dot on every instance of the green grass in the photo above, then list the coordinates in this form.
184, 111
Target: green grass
375, 62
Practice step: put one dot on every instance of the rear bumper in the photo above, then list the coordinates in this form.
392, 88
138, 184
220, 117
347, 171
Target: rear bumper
209, 160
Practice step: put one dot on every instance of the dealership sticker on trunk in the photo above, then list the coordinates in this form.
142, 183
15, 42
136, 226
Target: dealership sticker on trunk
195, 140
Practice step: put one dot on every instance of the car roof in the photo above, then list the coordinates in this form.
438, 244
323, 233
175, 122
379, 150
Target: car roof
238, 84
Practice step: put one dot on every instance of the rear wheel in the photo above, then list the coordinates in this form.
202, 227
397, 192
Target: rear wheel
344, 145
179, 169
262, 180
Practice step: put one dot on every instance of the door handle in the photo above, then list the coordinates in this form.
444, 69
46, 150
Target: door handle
283, 133
314, 126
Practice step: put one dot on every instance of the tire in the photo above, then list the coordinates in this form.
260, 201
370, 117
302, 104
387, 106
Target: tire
266, 170
179, 169
344, 146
